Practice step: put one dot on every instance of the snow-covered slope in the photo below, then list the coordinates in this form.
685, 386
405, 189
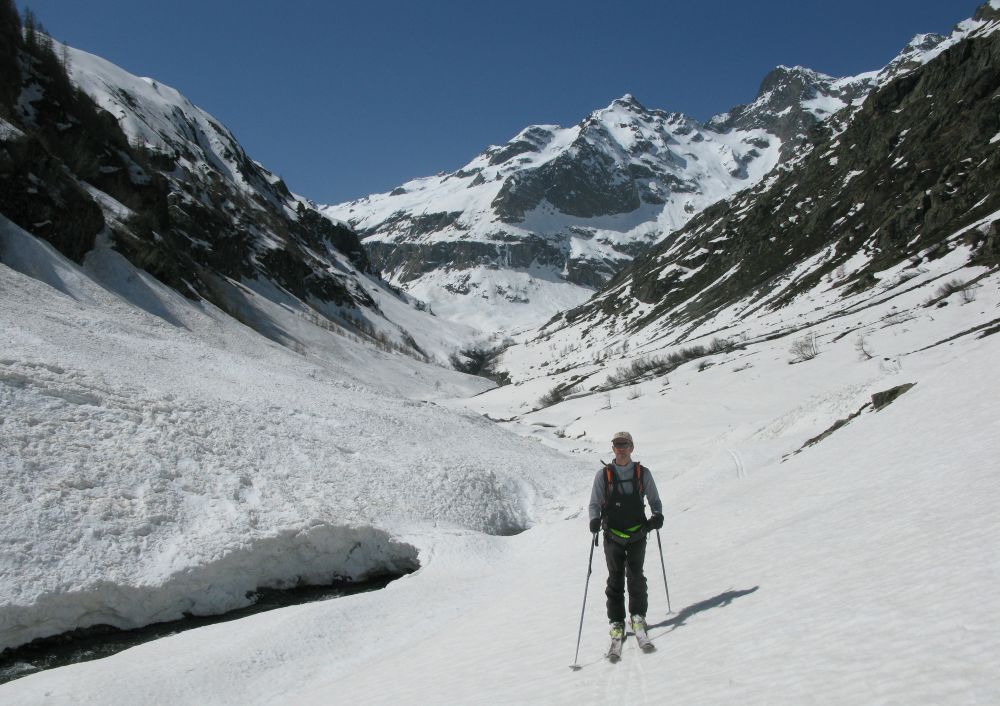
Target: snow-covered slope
860, 570
162, 120
159, 117
160, 458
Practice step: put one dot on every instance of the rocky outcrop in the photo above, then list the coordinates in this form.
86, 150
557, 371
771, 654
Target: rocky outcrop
411, 260
791, 102
584, 181
190, 206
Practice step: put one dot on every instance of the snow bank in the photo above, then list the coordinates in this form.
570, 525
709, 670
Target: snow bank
159, 457
316, 555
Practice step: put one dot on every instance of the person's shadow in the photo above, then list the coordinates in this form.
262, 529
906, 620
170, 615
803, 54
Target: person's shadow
723, 599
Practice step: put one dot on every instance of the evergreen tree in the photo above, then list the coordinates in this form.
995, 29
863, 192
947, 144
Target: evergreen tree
10, 43
30, 28
10, 20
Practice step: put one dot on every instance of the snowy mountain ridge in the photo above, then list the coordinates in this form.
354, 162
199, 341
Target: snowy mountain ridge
160, 118
857, 220
527, 228
565, 206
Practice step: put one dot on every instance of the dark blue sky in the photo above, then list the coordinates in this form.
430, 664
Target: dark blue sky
344, 99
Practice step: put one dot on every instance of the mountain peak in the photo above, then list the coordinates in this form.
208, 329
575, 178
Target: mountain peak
922, 42
799, 76
790, 100
627, 101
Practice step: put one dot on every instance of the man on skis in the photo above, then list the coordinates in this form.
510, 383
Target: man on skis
616, 505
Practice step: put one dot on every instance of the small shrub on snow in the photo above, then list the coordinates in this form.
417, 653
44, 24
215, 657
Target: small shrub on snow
950, 287
557, 394
661, 365
898, 317
804, 348
720, 345
637, 369
862, 347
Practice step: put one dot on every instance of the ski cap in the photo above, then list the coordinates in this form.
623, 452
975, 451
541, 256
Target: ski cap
622, 435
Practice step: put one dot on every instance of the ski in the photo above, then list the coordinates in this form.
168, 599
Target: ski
615, 651
617, 637
641, 637
645, 644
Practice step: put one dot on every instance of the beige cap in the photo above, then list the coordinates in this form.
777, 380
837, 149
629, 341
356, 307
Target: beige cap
622, 435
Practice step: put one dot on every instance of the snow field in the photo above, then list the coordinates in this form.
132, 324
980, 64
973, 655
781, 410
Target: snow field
877, 539
497, 300
857, 571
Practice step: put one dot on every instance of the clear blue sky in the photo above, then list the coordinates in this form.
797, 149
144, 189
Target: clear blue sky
343, 99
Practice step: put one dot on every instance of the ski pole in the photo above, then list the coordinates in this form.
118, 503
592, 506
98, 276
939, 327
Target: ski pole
664, 565
586, 587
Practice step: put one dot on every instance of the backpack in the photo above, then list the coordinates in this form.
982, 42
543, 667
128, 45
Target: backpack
609, 475
631, 525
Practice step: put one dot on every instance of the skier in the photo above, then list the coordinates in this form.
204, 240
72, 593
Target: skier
616, 504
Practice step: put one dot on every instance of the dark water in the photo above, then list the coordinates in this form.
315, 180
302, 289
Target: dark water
99, 641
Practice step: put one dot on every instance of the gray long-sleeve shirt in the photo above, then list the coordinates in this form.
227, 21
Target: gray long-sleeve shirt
626, 474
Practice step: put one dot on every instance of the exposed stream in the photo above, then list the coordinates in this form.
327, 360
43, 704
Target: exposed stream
99, 641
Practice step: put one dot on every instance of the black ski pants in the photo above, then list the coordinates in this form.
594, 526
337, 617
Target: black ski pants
625, 562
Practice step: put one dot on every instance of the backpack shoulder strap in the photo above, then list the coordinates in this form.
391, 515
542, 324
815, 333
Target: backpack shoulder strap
640, 476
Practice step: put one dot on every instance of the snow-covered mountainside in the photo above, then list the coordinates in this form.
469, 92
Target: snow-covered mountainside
531, 227
90, 154
903, 182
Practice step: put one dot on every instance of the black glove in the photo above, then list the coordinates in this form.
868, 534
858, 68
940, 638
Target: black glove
595, 525
655, 522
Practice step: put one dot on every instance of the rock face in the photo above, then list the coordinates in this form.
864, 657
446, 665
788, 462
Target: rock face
88, 150
574, 205
906, 177
792, 101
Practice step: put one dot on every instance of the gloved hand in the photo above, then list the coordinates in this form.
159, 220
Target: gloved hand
595, 525
655, 522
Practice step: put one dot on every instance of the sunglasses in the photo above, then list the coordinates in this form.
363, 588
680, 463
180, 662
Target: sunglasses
621, 444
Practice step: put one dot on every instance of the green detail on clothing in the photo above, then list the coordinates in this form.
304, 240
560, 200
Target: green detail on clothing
627, 533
